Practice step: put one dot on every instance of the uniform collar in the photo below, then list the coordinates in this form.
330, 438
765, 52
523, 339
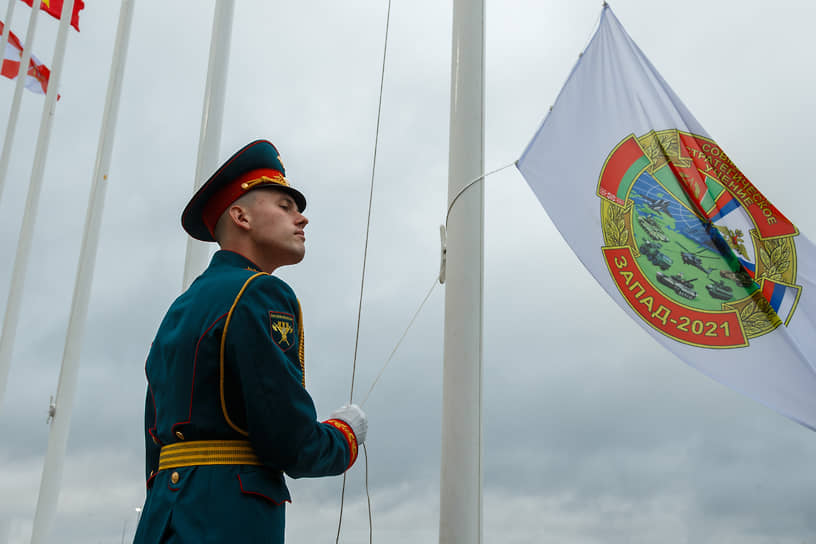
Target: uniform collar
226, 257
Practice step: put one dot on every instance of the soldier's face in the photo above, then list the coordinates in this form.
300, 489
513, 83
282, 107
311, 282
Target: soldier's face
277, 227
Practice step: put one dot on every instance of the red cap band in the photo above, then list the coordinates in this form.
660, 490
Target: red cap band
228, 194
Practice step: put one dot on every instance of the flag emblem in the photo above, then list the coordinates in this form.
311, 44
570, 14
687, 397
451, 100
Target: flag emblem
674, 213
282, 329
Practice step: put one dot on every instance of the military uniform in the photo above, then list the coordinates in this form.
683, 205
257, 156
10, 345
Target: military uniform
227, 412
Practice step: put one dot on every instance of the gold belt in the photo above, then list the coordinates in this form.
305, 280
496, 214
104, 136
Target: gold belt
207, 452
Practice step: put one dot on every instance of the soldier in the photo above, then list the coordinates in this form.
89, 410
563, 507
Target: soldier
227, 412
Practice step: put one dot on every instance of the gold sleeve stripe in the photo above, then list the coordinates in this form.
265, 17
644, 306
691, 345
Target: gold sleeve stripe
221, 354
348, 434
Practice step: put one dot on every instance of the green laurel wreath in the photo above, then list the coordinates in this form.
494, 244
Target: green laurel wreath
614, 225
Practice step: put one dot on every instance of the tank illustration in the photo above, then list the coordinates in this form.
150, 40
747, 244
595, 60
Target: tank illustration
694, 259
740, 277
652, 252
678, 284
652, 228
719, 289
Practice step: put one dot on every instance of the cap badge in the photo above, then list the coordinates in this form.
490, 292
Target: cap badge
277, 179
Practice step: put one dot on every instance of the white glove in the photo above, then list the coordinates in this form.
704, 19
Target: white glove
355, 418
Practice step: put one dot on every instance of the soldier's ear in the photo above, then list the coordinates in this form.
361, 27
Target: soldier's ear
239, 216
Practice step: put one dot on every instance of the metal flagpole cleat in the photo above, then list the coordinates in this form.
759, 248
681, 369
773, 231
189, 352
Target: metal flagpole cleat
443, 260
52, 410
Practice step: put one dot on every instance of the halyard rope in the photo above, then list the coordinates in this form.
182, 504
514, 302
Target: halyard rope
394, 351
396, 347
362, 281
436, 280
363, 276
471, 184
370, 202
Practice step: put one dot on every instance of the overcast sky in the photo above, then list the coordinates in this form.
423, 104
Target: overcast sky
593, 432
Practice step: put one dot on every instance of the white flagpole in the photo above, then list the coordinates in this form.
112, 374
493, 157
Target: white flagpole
14, 113
32, 201
460, 509
212, 118
66, 387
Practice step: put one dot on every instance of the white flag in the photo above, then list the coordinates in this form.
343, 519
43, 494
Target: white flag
673, 231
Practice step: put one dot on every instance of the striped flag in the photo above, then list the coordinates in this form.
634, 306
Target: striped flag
38, 73
673, 230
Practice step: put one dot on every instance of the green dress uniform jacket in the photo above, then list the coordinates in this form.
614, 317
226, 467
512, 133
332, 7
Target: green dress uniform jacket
245, 388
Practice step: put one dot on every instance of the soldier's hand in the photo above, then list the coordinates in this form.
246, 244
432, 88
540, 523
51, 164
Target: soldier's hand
354, 416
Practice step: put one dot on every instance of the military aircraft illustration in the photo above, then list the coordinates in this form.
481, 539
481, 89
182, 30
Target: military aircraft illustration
695, 259
658, 204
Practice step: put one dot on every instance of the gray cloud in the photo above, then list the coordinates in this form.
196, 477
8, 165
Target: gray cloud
592, 432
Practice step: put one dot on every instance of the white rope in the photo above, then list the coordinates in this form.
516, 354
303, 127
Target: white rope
433, 285
365, 450
471, 184
368, 497
362, 285
362, 279
394, 351
370, 205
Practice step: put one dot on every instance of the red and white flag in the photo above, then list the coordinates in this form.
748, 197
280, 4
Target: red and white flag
37, 74
54, 9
